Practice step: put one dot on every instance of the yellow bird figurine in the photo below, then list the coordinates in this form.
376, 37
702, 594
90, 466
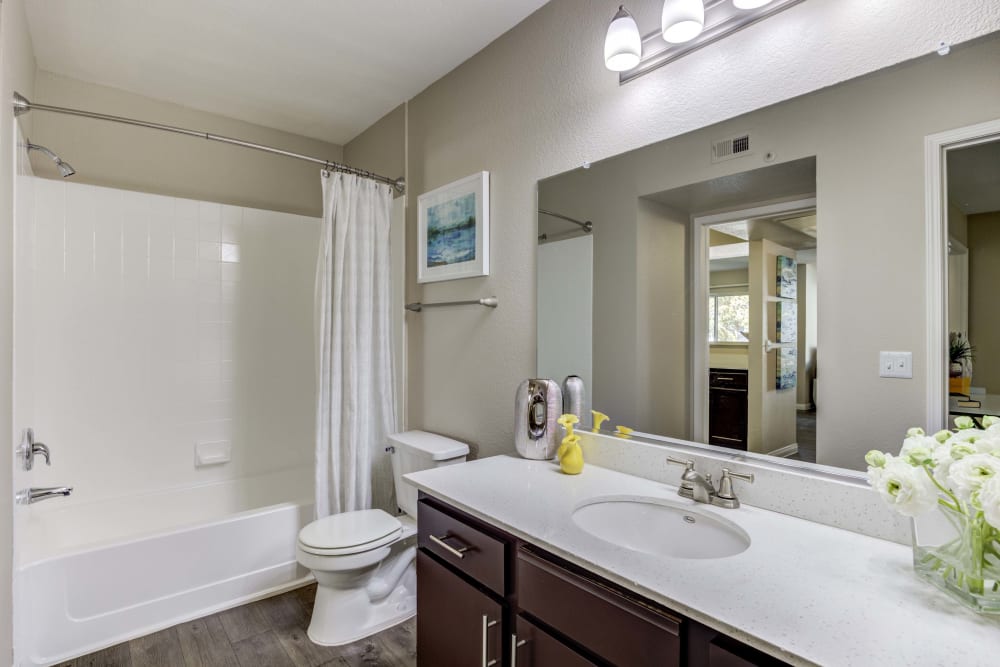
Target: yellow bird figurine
570, 455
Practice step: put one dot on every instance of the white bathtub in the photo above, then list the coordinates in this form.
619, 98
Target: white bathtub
113, 571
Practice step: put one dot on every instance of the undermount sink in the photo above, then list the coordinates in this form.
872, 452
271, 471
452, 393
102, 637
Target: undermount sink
660, 527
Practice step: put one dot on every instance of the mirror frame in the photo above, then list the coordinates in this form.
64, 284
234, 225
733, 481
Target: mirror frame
936, 148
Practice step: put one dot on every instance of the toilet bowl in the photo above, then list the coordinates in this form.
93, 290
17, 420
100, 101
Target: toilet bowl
363, 561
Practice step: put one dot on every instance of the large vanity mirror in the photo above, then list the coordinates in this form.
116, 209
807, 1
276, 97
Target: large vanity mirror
738, 285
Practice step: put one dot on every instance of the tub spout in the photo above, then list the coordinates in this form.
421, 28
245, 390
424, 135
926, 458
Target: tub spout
388, 578
35, 494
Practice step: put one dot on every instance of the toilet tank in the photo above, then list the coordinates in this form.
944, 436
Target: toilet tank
420, 450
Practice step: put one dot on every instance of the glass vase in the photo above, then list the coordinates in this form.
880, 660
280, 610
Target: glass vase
957, 551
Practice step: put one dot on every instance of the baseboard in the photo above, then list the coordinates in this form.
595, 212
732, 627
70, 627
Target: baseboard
786, 451
803, 407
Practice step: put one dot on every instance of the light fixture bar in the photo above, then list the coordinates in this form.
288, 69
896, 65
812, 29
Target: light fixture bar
721, 20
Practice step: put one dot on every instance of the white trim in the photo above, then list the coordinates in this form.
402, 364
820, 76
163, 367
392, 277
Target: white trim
803, 407
935, 259
699, 290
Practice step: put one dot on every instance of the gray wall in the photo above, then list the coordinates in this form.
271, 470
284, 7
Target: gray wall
984, 317
530, 106
135, 158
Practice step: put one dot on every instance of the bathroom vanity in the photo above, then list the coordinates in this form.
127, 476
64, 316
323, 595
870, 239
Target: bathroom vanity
510, 575
491, 598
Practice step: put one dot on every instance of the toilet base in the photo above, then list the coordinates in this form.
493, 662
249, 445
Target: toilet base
340, 617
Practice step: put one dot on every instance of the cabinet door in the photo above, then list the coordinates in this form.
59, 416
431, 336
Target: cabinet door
533, 647
457, 625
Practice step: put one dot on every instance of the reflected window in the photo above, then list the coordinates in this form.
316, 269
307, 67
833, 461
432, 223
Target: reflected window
728, 318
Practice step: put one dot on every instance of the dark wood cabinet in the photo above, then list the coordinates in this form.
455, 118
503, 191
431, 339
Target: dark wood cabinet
533, 647
487, 599
457, 625
727, 408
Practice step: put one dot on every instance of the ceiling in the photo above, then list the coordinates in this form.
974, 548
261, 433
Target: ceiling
974, 178
325, 69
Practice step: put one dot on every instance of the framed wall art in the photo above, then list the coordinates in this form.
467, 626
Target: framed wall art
453, 230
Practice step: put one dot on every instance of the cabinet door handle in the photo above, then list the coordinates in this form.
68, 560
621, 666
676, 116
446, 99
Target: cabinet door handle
514, 645
487, 624
457, 553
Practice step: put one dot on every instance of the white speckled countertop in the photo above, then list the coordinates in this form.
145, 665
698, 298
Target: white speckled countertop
804, 592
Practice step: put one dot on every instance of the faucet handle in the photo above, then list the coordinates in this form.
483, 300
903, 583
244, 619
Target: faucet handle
688, 464
725, 493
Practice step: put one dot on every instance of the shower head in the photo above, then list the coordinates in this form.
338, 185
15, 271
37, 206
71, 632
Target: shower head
65, 169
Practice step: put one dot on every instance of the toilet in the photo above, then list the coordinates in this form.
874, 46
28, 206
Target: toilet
363, 561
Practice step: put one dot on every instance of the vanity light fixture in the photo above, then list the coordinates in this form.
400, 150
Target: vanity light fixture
682, 20
685, 26
623, 43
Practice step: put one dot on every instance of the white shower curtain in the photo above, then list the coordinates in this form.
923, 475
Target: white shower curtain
356, 402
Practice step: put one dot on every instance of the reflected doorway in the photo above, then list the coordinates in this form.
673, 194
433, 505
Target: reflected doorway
761, 326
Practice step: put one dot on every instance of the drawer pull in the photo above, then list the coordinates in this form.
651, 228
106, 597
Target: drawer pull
514, 645
487, 624
457, 553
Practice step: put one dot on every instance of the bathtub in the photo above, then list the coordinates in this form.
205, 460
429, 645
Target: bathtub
103, 573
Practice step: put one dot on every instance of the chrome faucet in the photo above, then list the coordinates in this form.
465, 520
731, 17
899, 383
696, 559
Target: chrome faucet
29, 449
701, 490
35, 494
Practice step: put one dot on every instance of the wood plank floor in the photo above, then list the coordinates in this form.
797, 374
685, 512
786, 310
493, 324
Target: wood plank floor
268, 633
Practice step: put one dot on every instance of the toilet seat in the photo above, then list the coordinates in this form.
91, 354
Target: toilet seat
350, 533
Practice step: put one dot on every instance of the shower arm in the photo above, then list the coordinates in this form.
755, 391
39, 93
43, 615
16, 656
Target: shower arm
22, 105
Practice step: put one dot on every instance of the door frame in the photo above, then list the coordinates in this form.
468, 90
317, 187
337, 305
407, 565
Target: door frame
936, 147
699, 292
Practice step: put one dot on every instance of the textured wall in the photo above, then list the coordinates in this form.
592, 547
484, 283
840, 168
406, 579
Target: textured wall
135, 158
538, 101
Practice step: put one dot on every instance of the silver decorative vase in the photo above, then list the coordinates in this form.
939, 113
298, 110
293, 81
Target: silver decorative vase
537, 406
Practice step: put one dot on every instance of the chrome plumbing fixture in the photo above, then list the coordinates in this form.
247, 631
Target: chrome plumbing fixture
65, 170
36, 494
29, 449
701, 490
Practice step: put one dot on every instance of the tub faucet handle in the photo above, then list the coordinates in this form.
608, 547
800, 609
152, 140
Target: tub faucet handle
29, 449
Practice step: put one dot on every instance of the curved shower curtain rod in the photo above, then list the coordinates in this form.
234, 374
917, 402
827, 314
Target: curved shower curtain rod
22, 106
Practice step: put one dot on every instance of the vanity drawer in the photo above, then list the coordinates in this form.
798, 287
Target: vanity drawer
589, 612
463, 543
533, 647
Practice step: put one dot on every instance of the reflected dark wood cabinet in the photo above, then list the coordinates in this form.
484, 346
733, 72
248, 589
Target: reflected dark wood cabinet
487, 599
727, 408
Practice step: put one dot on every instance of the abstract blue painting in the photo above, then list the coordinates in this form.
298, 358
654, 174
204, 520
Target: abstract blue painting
451, 231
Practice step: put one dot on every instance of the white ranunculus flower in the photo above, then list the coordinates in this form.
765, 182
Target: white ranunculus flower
905, 488
989, 501
917, 448
988, 444
968, 474
966, 435
942, 460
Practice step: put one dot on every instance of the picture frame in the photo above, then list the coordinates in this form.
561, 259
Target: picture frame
787, 277
453, 230
787, 370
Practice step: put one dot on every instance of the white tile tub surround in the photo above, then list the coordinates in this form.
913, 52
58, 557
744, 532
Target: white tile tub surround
161, 323
822, 497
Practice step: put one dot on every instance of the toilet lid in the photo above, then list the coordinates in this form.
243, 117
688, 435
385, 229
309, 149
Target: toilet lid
349, 529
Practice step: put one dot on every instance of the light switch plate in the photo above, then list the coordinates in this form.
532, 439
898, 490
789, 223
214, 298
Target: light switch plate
897, 365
